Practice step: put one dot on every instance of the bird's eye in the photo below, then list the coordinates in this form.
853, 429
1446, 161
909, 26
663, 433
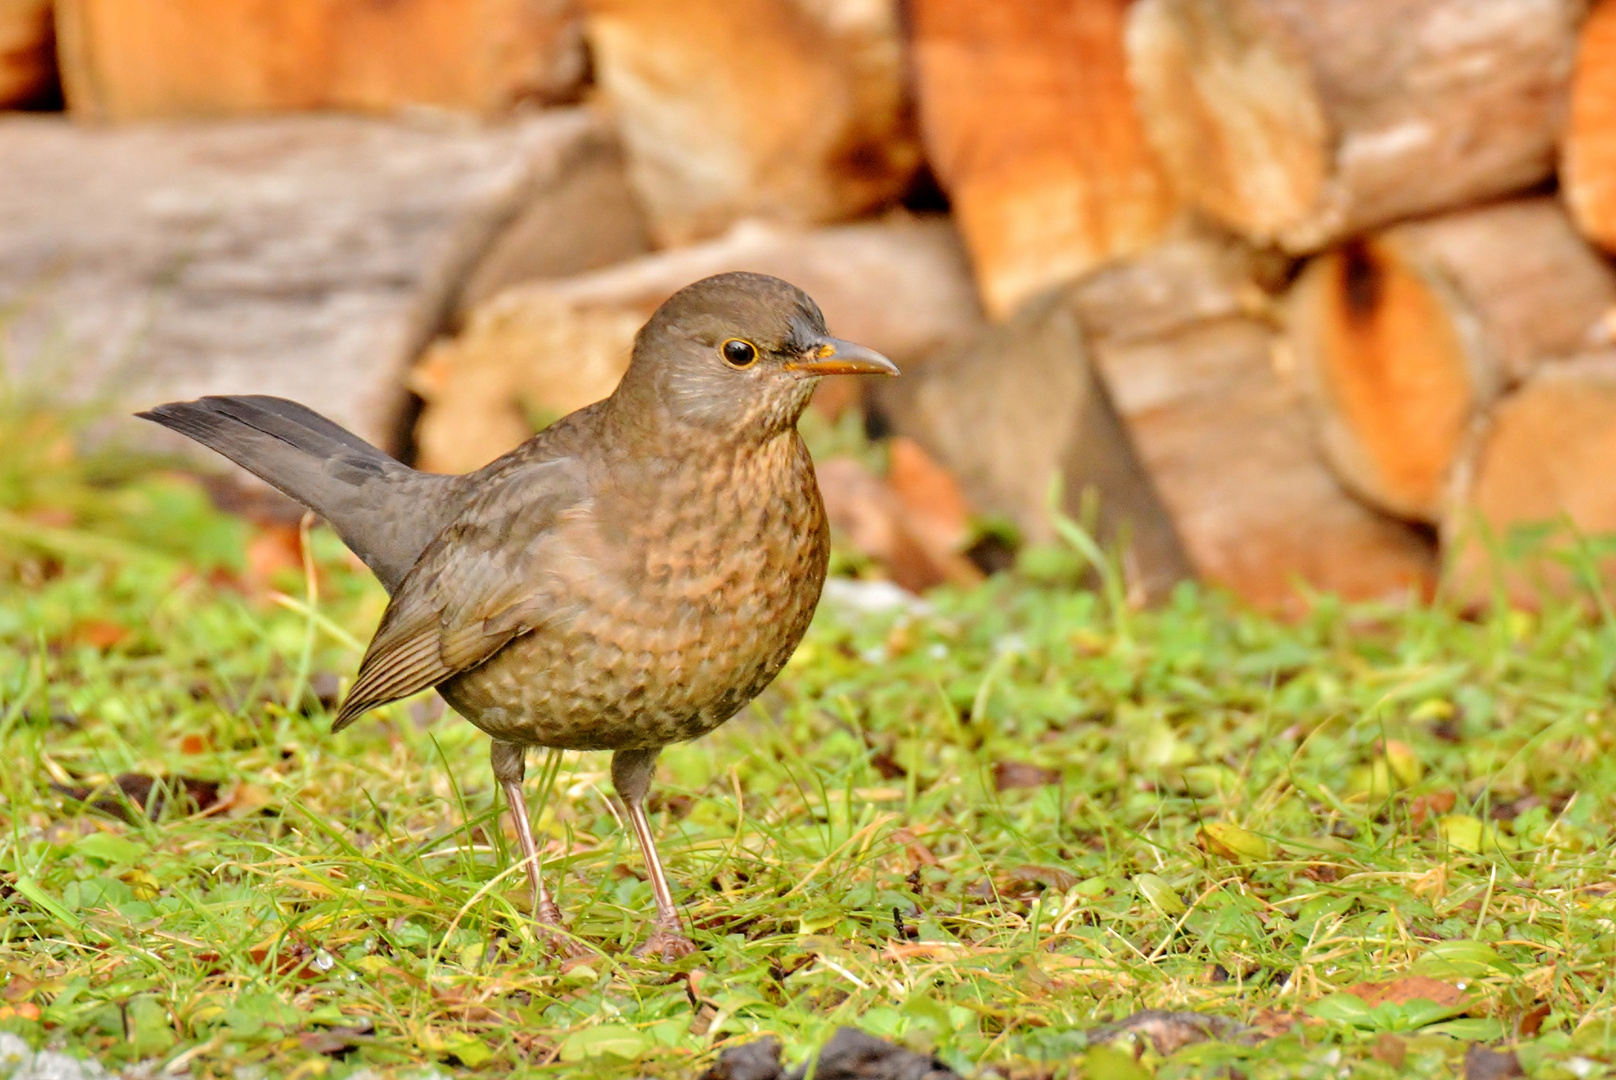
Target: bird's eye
738, 353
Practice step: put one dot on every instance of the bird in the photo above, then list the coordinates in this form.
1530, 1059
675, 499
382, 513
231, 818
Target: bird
628, 578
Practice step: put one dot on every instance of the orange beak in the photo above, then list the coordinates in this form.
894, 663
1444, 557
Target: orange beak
837, 357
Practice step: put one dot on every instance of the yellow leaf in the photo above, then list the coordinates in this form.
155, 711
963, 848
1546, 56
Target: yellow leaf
1159, 894
1232, 842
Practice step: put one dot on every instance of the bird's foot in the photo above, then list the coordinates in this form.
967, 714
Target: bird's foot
566, 948
666, 943
555, 934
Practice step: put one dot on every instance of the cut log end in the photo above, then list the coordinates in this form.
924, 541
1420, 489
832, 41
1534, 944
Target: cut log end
1542, 464
1588, 168
1030, 123
1389, 378
1236, 119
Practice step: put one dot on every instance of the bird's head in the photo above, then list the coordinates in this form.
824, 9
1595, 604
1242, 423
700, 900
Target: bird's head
740, 352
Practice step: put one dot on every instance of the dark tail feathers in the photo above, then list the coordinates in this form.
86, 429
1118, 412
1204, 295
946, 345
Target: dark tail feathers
384, 510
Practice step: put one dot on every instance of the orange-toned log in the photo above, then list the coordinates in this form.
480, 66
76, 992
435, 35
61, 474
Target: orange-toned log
784, 110
1304, 121
1588, 152
27, 56
1544, 458
1029, 121
1401, 338
133, 59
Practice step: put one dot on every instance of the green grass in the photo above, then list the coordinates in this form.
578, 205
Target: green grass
982, 829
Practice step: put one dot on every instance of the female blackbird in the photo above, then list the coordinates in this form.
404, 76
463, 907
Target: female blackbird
629, 577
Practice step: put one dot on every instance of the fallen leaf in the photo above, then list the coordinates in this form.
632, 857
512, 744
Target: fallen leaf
148, 794
1273, 1022
1404, 763
276, 549
1532, 1020
100, 634
920, 853
1051, 877
1159, 895
1232, 842
1481, 1063
1170, 1031
1409, 988
1434, 803
1471, 834
292, 958
336, 1041
871, 517
1390, 1049
929, 950
1009, 775
1104, 1062
929, 493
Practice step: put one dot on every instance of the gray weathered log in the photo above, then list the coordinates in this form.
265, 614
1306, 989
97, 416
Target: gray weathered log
308, 257
1017, 404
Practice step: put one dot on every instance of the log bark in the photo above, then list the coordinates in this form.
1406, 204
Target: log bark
1185, 342
1543, 461
1402, 338
309, 257
792, 111
27, 52
539, 351
1588, 152
1029, 122
133, 59
1298, 122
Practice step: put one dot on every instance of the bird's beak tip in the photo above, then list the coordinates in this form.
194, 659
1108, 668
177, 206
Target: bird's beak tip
837, 357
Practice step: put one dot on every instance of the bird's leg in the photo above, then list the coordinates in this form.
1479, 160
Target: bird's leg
509, 767
631, 775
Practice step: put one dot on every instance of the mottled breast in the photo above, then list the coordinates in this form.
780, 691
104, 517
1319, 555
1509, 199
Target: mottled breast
698, 583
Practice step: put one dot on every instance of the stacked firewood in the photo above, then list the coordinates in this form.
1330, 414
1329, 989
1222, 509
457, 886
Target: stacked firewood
1416, 352
1289, 294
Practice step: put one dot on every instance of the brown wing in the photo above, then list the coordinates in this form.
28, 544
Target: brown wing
482, 582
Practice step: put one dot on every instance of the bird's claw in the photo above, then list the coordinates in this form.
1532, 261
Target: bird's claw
554, 932
666, 944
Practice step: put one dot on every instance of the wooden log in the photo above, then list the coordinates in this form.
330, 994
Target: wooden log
1402, 338
1588, 150
1542, 461
132, 59
1225, 438
1019, 404
539, 351
27, 53
785, 110
915, 521
1029, 122
309, 257
1302, 121
579, 215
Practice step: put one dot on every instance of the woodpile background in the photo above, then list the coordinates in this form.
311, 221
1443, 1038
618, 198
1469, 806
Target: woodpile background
1292, 295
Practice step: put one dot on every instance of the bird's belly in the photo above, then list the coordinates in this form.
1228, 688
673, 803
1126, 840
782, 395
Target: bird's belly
667, 663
